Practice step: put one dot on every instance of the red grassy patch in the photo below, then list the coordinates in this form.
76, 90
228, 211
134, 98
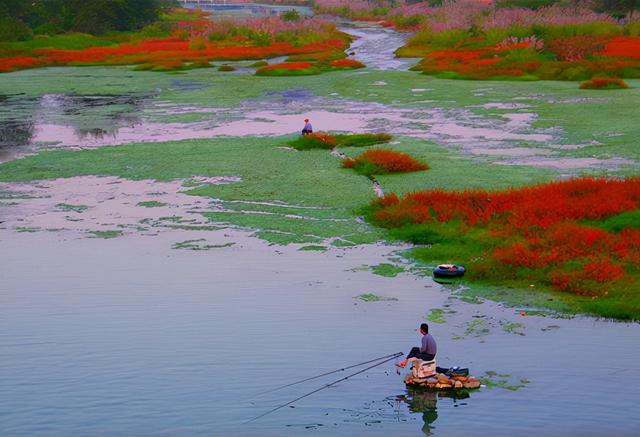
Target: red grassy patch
346, 63
385, 161
156, 51
623, 47
286, 66
604, 83
539, 228
18, 63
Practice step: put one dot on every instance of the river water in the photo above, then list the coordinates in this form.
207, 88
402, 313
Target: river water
131, 336
128, 336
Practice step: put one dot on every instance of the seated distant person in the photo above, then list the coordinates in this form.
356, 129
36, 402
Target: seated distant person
427, 350
307, 129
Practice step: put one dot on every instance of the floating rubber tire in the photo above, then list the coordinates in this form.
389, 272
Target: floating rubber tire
448, 271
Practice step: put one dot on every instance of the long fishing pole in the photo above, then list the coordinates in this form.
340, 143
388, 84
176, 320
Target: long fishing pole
273, 410
327, 373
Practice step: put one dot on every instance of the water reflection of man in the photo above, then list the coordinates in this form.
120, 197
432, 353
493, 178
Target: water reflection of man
424, 401
427, 350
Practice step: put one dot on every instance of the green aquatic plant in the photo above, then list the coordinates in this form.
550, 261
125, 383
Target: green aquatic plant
69, 207
387, 270
436, 315
27, 229
512, 327
370, 297
314, 247
151, 204
477, 328
106, 234
199, 244
492, 379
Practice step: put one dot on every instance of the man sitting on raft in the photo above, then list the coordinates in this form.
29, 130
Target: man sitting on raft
307, 129
427, 351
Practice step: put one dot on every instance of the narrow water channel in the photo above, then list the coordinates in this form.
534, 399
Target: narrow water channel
375, 46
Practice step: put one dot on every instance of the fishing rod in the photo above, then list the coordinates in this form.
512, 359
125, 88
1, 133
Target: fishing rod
273, 410
328, 373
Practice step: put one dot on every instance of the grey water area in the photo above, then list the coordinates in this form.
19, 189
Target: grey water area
130, 337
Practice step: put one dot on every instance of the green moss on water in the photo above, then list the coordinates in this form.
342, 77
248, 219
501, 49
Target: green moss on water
300, 226
313, 248
477, 328
285, 238
106, 234
580, 117
504, 381
74, 208
436, 315
151, 204
370, 297
512, 327
192, 227
28, 229
453, 171
172, 218
10, 195
190, 117
387, 270
199, 244
288, 210
475, 300
601, 123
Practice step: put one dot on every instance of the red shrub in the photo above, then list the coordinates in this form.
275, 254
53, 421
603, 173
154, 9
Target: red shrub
173, 50
576, 48
593, 279
603, 271
603, 83
286, 66
385, 161
540, 205
387, 200
10, 64
346, 63
623, 46
536, 228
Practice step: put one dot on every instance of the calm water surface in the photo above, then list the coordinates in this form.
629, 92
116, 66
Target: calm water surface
128, 336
